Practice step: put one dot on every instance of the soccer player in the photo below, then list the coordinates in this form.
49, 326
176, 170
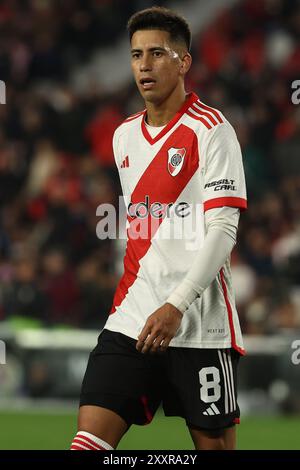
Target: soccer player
173, 334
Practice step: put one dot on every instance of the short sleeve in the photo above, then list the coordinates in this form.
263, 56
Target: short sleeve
117, 150
115, 145
224, 178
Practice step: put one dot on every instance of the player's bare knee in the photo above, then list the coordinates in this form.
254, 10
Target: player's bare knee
210, 444
103, 423
208, 440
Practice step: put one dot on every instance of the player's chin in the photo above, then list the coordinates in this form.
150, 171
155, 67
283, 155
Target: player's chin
154, 98
148, 95
151, 95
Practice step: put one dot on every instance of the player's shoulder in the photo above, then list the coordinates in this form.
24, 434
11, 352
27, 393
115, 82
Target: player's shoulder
210, 124
129, 123
205, 117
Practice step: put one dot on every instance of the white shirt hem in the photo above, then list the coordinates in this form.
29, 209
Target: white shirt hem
184, 343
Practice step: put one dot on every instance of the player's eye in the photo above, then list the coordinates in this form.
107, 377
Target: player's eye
135, 55
157, 53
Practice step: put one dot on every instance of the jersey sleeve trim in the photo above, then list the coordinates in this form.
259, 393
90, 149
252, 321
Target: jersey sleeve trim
225, 201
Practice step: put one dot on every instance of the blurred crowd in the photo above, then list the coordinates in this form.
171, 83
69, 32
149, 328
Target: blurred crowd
57, 166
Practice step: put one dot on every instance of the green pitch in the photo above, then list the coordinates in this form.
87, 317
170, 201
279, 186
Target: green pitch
42, 430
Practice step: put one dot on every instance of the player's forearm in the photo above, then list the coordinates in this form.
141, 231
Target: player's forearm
217, 246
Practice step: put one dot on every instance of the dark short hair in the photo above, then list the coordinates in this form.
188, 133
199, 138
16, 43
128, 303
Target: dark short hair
163, 19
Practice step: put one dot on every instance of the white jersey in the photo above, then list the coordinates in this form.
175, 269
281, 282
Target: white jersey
192, 165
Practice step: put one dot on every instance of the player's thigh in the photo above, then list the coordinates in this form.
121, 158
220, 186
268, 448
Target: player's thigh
121, 379
204, 383
103, 423
221, 439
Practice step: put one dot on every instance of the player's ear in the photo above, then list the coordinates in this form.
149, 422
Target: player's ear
186, 62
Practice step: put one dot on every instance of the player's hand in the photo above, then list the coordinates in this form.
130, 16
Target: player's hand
159, 329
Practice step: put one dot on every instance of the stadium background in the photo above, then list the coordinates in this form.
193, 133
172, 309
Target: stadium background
66, 69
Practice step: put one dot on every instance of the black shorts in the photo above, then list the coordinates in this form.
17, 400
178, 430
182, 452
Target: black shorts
197, 384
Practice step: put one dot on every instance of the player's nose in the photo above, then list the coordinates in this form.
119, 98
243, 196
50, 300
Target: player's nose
145, 64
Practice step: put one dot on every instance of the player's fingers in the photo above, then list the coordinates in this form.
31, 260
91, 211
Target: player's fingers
156, 345
149, 342
164, 344
142, 337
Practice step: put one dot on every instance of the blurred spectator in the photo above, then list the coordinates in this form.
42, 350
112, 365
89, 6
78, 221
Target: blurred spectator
60, 286
99, 133
24, 296
243, 278
256, 316
96, 289
285, 318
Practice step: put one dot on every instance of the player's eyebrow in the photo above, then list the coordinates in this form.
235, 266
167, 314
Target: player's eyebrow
151, 49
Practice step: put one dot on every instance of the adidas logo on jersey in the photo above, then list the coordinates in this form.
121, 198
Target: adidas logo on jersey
125, 162
211, 410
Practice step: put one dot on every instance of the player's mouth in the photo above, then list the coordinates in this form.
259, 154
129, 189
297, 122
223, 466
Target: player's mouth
147, 83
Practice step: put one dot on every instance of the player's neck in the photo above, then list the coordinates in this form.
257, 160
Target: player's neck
162, 113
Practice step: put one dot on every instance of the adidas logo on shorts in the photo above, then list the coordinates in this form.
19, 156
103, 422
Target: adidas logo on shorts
211, 410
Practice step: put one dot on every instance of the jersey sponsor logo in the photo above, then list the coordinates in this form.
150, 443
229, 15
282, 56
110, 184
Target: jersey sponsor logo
156, 209
175, 160
220, 185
